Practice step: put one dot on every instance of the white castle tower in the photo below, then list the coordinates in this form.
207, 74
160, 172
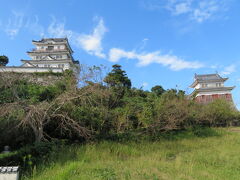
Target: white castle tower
50, 54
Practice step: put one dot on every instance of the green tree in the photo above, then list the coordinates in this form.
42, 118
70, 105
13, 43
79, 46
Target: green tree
158, 90
219, 113
3, 60
118, 78
181, 93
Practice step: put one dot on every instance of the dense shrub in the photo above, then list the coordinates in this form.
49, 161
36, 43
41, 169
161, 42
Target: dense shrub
12, 135
30, 112
219, 113
29, 156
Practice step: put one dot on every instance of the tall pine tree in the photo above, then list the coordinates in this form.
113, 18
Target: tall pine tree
118, 78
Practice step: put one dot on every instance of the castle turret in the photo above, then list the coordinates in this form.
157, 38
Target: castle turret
208, 87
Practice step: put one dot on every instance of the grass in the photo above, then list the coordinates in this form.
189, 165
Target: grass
191, 158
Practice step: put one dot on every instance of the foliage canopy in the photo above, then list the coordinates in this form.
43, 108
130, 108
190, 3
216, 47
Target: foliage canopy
3, 60
117, 78
97, 110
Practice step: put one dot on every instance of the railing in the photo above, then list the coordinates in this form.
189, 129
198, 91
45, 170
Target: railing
44, 50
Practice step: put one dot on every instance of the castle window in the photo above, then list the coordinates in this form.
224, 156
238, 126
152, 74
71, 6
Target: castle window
58, 56
50, 48
204, 85
38, 57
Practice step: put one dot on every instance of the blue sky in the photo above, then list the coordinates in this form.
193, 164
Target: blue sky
158, 42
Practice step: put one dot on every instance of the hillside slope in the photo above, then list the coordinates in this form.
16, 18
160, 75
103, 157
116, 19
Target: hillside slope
198, 158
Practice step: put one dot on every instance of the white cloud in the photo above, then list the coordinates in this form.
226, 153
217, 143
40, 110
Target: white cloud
182, 8
145, 84
116, 54
178, 8
142, 45
173, 62
57, 29
206, 10
214, 66
18, 21
91, 43
196, 10
152, 4
229, 70
15, 23
35, 27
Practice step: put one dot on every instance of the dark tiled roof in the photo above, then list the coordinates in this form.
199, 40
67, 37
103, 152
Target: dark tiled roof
43, 40
206, 77
52, 39
9, 169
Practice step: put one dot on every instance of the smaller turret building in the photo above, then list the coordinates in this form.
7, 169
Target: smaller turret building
208, 87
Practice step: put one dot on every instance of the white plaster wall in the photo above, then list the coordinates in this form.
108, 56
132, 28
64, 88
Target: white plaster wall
40, 47
214, 84
29, 70
60, 47
209, 85
66, 66
198, 86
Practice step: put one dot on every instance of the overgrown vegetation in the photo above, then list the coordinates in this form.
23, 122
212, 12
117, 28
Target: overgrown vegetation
184, 157
95, 107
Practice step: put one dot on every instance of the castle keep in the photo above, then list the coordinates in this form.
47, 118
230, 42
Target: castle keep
50, 54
